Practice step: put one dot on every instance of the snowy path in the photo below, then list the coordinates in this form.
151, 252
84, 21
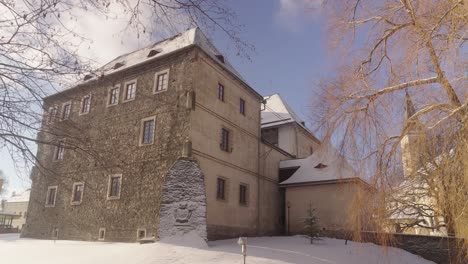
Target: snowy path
260, 250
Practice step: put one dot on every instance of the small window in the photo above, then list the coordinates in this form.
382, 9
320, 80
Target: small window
130, 91
77, 193
52, 115
270, 135
311, 150
51, 195
102, 233
221, 92
242, 106
113, 96
66, 110
161, 81
118, 65
320, 166
85, 104
225, 140
55, 233
141, 233
115, 182
221, 189
153, 53
147, 131
59, 151
243, 194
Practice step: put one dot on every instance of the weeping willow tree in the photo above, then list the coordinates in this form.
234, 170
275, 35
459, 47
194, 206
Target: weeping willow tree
397, 108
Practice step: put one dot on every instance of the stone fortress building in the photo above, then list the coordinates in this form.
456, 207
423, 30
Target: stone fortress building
165, 140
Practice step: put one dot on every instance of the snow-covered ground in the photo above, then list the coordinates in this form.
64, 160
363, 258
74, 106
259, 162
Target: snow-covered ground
260, 250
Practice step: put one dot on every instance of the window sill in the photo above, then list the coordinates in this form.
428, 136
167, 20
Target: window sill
75, 203
159, 91
49, 206
109, 105
128, 100
113, 198
221, 200
82, 114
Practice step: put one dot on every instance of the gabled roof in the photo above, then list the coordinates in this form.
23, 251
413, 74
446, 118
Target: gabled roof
278, 112
325, 164
191, 37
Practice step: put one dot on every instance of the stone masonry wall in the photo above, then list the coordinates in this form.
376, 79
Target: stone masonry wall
183, 201
106, 142
441, 250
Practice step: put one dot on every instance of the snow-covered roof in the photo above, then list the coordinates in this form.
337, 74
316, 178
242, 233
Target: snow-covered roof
277, 112
325, 164
159, 49
22, 197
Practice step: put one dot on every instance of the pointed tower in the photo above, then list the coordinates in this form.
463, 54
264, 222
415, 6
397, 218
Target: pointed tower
412, 143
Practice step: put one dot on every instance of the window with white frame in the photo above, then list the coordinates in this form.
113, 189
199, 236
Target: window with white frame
113, 98
130, 90
77, 193
147, 131
51, 195
52, 115
102, 233
66, 110
141, 233
59, 151
161, 81
85, 104
114, 188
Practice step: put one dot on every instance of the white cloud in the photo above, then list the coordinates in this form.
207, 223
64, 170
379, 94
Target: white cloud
293, 15
110, 35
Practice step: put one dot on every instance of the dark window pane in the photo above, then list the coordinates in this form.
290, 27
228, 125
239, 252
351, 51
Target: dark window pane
77, 193
51, 196
115, 187
221, 92
114, 96
66, 111
148, 132
243, 194
242, 106
161, 82
220, 190
224, 139
130, 91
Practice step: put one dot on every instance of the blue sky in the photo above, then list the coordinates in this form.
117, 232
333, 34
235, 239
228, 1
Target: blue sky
290, 56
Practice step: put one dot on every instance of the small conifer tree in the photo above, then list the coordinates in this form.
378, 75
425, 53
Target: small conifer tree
311, 227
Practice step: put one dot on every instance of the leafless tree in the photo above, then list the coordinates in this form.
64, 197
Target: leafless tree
404, 46
3, 182
40, 53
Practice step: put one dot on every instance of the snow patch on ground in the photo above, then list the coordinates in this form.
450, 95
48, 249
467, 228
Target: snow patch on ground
260, 250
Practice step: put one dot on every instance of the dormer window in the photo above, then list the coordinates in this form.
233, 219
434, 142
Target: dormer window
220, 57
118, 65
153, 52
87, 77
320, 166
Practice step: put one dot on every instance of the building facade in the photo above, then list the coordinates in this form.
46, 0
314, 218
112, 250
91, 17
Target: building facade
131, 148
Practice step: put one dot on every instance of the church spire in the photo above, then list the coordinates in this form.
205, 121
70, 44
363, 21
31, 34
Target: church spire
409, 106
